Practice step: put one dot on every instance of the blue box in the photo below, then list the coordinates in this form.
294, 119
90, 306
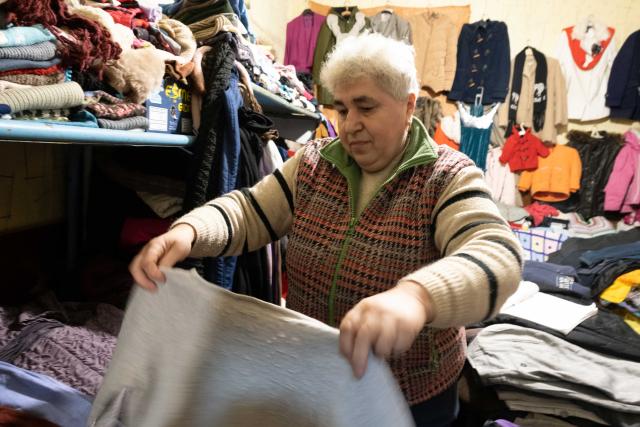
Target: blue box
169, 109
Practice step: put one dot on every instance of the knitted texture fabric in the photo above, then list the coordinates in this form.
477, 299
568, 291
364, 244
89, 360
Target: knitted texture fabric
83, 42
62, 95
39, 71
24, 36
217, 75
196, 10
378, 256
106, 106
129, 123
27, 64
34, 79
35, 52
217, 66
51, 114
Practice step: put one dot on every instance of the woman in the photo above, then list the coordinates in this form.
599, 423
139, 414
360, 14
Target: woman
391, 237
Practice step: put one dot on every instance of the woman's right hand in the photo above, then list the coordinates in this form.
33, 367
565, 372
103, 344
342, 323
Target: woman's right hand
165, 250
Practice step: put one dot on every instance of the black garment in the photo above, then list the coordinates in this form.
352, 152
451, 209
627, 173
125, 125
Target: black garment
307, 80
539, 94
572, 248
252, 273
597, 156
439, 411
201, 184
604, 274
623, 91
483, 60
605, 333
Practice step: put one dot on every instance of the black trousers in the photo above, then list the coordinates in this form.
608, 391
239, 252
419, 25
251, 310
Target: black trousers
439, 411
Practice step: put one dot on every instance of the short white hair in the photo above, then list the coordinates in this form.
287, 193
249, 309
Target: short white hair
388, 62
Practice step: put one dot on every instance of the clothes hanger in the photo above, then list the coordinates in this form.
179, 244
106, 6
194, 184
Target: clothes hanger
307, 11
346, 11
478, 99
595, 133
522, 129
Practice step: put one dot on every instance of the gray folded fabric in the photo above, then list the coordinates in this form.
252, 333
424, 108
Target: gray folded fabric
194, 354
137, 122
62, 95
36, 52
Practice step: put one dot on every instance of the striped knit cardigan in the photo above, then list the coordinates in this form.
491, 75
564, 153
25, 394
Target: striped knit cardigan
432, 222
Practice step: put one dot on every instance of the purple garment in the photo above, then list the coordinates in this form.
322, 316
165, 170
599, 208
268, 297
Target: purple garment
69, 342
302, 35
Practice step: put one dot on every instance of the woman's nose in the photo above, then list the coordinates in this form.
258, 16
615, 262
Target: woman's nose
352, 122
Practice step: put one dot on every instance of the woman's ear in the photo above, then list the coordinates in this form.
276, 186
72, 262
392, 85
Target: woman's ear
411, 106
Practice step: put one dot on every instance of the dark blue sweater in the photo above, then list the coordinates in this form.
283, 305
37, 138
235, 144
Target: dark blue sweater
623, 91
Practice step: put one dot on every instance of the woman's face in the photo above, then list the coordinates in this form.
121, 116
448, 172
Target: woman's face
372, 124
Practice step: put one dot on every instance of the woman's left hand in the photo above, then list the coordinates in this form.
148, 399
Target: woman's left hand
387, 322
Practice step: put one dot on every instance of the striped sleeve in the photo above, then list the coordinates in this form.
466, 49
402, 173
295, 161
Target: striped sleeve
482, 259
247, 218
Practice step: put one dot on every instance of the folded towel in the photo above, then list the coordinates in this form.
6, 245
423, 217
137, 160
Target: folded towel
62, 95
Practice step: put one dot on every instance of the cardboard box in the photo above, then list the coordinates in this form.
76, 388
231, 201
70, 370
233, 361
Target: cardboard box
169, 109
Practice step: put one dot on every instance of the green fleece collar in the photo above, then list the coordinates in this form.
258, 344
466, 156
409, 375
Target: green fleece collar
421, 150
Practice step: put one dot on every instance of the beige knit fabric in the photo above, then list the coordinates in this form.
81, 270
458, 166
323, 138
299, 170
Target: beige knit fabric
62, 95
34, 79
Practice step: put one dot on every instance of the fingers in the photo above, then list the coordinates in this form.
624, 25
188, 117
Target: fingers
365, 337
348, 329
144, 267
384, 346
171, 257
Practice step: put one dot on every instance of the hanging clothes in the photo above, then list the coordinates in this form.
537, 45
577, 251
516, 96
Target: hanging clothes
623, 90
521, 150
253, 271
557, 176
216, 150
597, 155
586, 52
300, 44
335, 29
500, 179
429, 112
476, 132
538, 97
483, 60
392, 26
622, 192
438, 39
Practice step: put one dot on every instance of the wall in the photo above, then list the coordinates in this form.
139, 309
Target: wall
31, 185
530, 22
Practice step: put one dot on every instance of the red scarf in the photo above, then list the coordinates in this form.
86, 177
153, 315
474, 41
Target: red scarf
579, 55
